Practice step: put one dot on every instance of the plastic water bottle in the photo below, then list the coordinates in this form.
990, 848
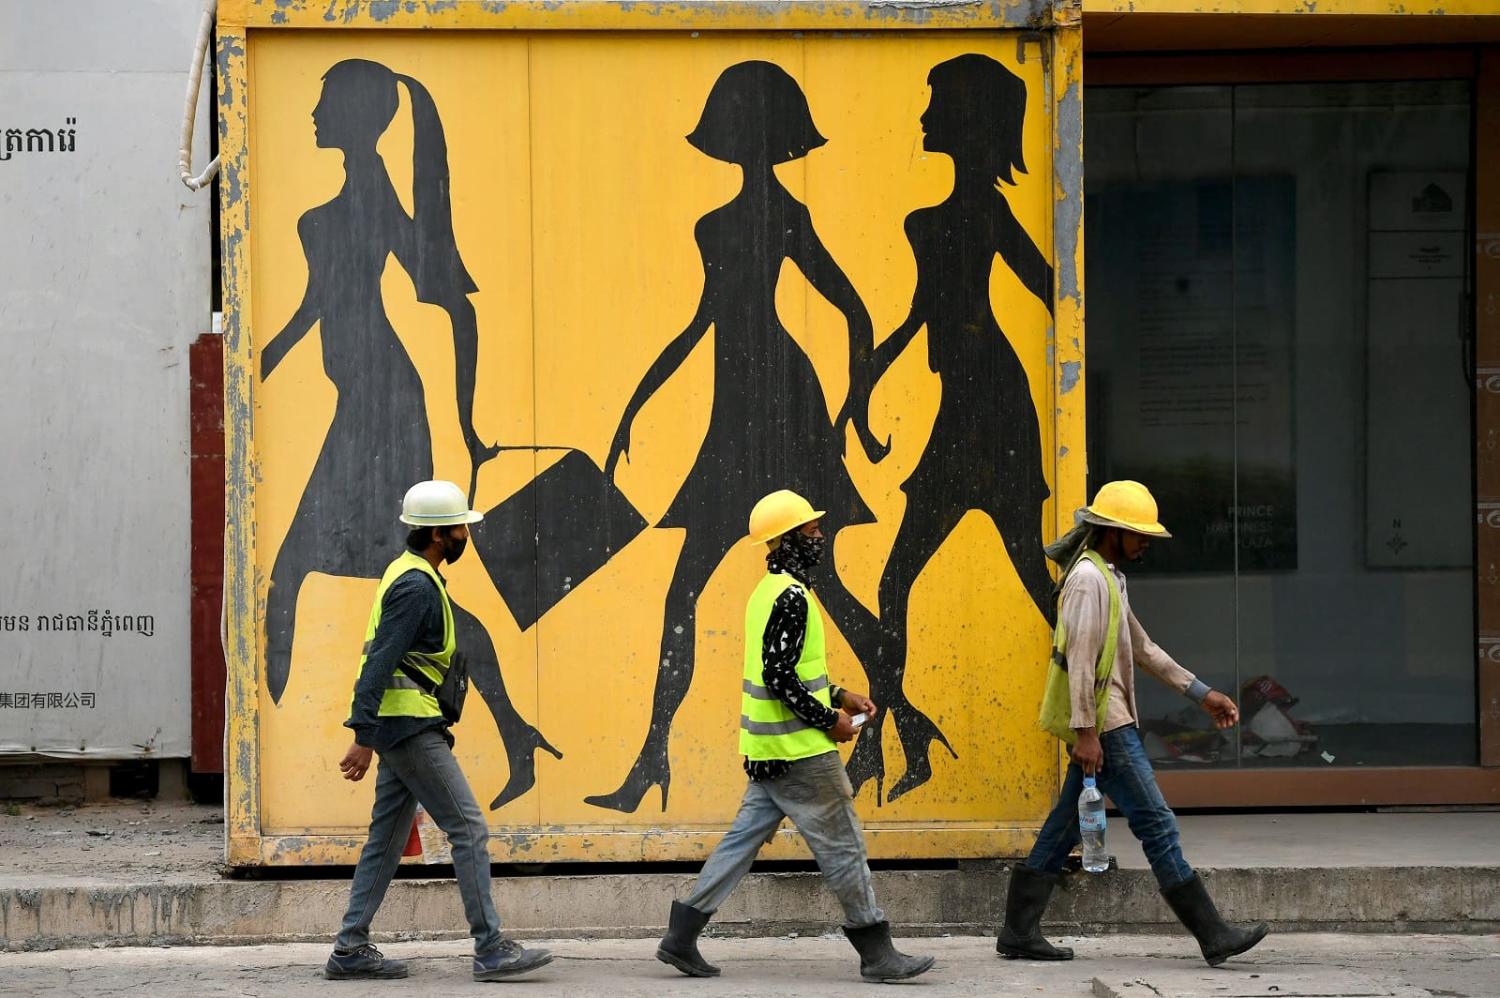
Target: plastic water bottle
1091, 827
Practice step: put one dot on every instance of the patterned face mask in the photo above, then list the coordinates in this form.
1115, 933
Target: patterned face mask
798, 553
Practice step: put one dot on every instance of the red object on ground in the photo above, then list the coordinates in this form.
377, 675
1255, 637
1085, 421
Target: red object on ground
413, 842
206, 573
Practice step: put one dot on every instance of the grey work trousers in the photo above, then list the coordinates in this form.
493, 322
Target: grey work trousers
815, 793
422, 769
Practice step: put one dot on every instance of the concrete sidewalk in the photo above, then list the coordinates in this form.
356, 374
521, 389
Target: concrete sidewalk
132, 874
1326, 966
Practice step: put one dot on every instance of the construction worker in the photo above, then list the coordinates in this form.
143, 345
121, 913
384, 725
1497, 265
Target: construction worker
791, 718
396, 714
1090, 704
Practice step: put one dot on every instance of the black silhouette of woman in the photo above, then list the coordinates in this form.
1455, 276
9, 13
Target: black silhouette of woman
769, 427
985, 452
379, 442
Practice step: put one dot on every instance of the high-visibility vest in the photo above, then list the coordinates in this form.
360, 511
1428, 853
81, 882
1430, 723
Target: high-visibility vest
768, 728
403, 697
1057, 701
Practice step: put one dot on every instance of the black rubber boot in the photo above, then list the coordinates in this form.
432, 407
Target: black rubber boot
1218, 939
679, 946
1020, 938
879, 959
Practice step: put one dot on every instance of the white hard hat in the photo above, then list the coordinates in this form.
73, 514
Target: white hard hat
436, 504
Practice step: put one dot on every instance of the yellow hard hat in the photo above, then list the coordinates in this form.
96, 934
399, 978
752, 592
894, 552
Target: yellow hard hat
779, 512
1127, 505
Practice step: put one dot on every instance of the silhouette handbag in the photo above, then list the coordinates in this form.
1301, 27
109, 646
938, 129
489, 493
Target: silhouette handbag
451, 692
548, 538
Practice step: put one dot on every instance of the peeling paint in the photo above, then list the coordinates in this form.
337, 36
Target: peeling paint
1324, 8
1065, 14
242, 799
1069, 182
625, 14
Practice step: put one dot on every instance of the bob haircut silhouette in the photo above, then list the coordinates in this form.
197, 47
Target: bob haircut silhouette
980, 108
754, 112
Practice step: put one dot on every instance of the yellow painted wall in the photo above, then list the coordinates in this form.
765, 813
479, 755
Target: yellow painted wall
574, 200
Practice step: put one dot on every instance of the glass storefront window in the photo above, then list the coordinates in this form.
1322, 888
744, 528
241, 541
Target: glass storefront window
1278, 346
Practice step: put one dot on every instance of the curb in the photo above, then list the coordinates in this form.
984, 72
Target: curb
967, 901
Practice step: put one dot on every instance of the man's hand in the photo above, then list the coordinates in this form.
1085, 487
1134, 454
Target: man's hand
1222, 709
857, 703
1087, 751
843, 729
356, 762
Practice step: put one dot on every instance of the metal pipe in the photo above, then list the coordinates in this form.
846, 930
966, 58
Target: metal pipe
190, 104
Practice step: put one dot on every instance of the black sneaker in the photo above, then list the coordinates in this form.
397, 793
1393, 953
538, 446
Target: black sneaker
363, 963
510, 960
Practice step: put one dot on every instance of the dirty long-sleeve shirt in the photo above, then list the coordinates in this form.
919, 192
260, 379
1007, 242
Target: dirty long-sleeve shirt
411, 619
780, 650
1085, 612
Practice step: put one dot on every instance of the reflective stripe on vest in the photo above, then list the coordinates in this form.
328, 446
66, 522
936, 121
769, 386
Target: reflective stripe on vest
761, 693
773, 727
768, 728
402, 696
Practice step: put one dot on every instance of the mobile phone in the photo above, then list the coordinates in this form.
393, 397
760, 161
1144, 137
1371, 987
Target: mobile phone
859, 719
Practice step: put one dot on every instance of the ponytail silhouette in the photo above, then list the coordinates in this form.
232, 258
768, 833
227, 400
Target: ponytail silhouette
440, 276
379, 442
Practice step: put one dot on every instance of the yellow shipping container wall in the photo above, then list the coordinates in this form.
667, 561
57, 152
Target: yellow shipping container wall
620, 285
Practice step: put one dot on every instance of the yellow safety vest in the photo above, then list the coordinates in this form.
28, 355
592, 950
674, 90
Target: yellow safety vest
403, 697
768, 728
1057, 701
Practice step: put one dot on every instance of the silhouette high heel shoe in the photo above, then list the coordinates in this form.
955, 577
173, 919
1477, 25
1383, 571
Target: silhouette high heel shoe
867, 761
651, 769
520, 753
917, 733
278, 670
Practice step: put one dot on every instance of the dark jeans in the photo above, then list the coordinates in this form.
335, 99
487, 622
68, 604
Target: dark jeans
422, 769
1127, 780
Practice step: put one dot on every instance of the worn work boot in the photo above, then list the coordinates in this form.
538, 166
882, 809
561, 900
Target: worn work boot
879, 959
363, 963
1218, 939
1020, 938
679, 946
510, 960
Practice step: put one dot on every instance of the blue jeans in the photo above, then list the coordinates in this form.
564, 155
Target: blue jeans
422, 769
815, 793
1127, 779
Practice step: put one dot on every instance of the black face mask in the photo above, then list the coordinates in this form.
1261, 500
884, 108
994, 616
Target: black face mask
453, 548
802, 551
